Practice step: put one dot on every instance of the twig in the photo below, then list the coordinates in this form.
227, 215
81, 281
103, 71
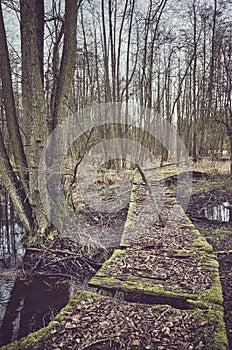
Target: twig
97, 341
209, 201
224, 252
169, 164
161, 315
41, 258
47, 274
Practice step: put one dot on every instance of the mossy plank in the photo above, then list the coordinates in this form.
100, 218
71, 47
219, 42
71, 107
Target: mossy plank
206, 299
209, 297
128, 222
210, 326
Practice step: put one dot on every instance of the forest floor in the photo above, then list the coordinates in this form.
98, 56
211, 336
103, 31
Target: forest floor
116, 321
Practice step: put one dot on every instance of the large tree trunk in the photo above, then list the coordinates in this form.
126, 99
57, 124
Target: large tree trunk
34, 109
23, 189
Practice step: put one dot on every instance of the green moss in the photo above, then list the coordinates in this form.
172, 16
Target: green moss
220, 341
170, 173
222, 232
206, 299
183, 214
135, 286
145, 283
171, 200
105, 293
215, 182
201, 242
189, 226
211, 296
203, 231
108, 262
128, 222
137, 179
220, 338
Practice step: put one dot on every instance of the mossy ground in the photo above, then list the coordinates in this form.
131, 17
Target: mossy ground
221, 182
210, 325
147, 284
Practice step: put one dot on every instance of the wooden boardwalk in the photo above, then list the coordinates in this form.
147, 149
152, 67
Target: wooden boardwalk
161, 288
172, 265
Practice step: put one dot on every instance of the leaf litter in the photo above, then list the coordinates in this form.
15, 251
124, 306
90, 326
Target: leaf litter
110, 323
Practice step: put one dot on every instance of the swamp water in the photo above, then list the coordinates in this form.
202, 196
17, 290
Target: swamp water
30, 305
25, 305
221, 212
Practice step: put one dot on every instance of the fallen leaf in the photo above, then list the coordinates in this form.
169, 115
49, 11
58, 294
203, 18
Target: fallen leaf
70, 325
135, 342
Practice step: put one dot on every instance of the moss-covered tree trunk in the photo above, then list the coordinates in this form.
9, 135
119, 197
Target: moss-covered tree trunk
14, 188
33, 99
21, 177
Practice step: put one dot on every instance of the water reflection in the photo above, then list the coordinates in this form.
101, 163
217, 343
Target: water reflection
11, 248
6, 285
11, 251
25, 306
31, 305
220, 212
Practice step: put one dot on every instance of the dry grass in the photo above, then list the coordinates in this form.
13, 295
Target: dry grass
112, 176
212, 167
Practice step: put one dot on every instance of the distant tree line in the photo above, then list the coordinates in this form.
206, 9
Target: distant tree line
174, 58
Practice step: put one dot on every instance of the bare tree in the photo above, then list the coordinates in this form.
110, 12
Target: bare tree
21, 177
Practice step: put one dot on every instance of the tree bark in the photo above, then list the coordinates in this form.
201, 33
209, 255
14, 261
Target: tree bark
230, 138
68, 60
33, 98
10, 110
13, 187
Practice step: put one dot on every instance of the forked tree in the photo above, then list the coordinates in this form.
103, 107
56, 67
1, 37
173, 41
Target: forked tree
20, 172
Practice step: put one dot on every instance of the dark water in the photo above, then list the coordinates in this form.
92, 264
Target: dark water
25, 306
30, 305
11, 247
220, 213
